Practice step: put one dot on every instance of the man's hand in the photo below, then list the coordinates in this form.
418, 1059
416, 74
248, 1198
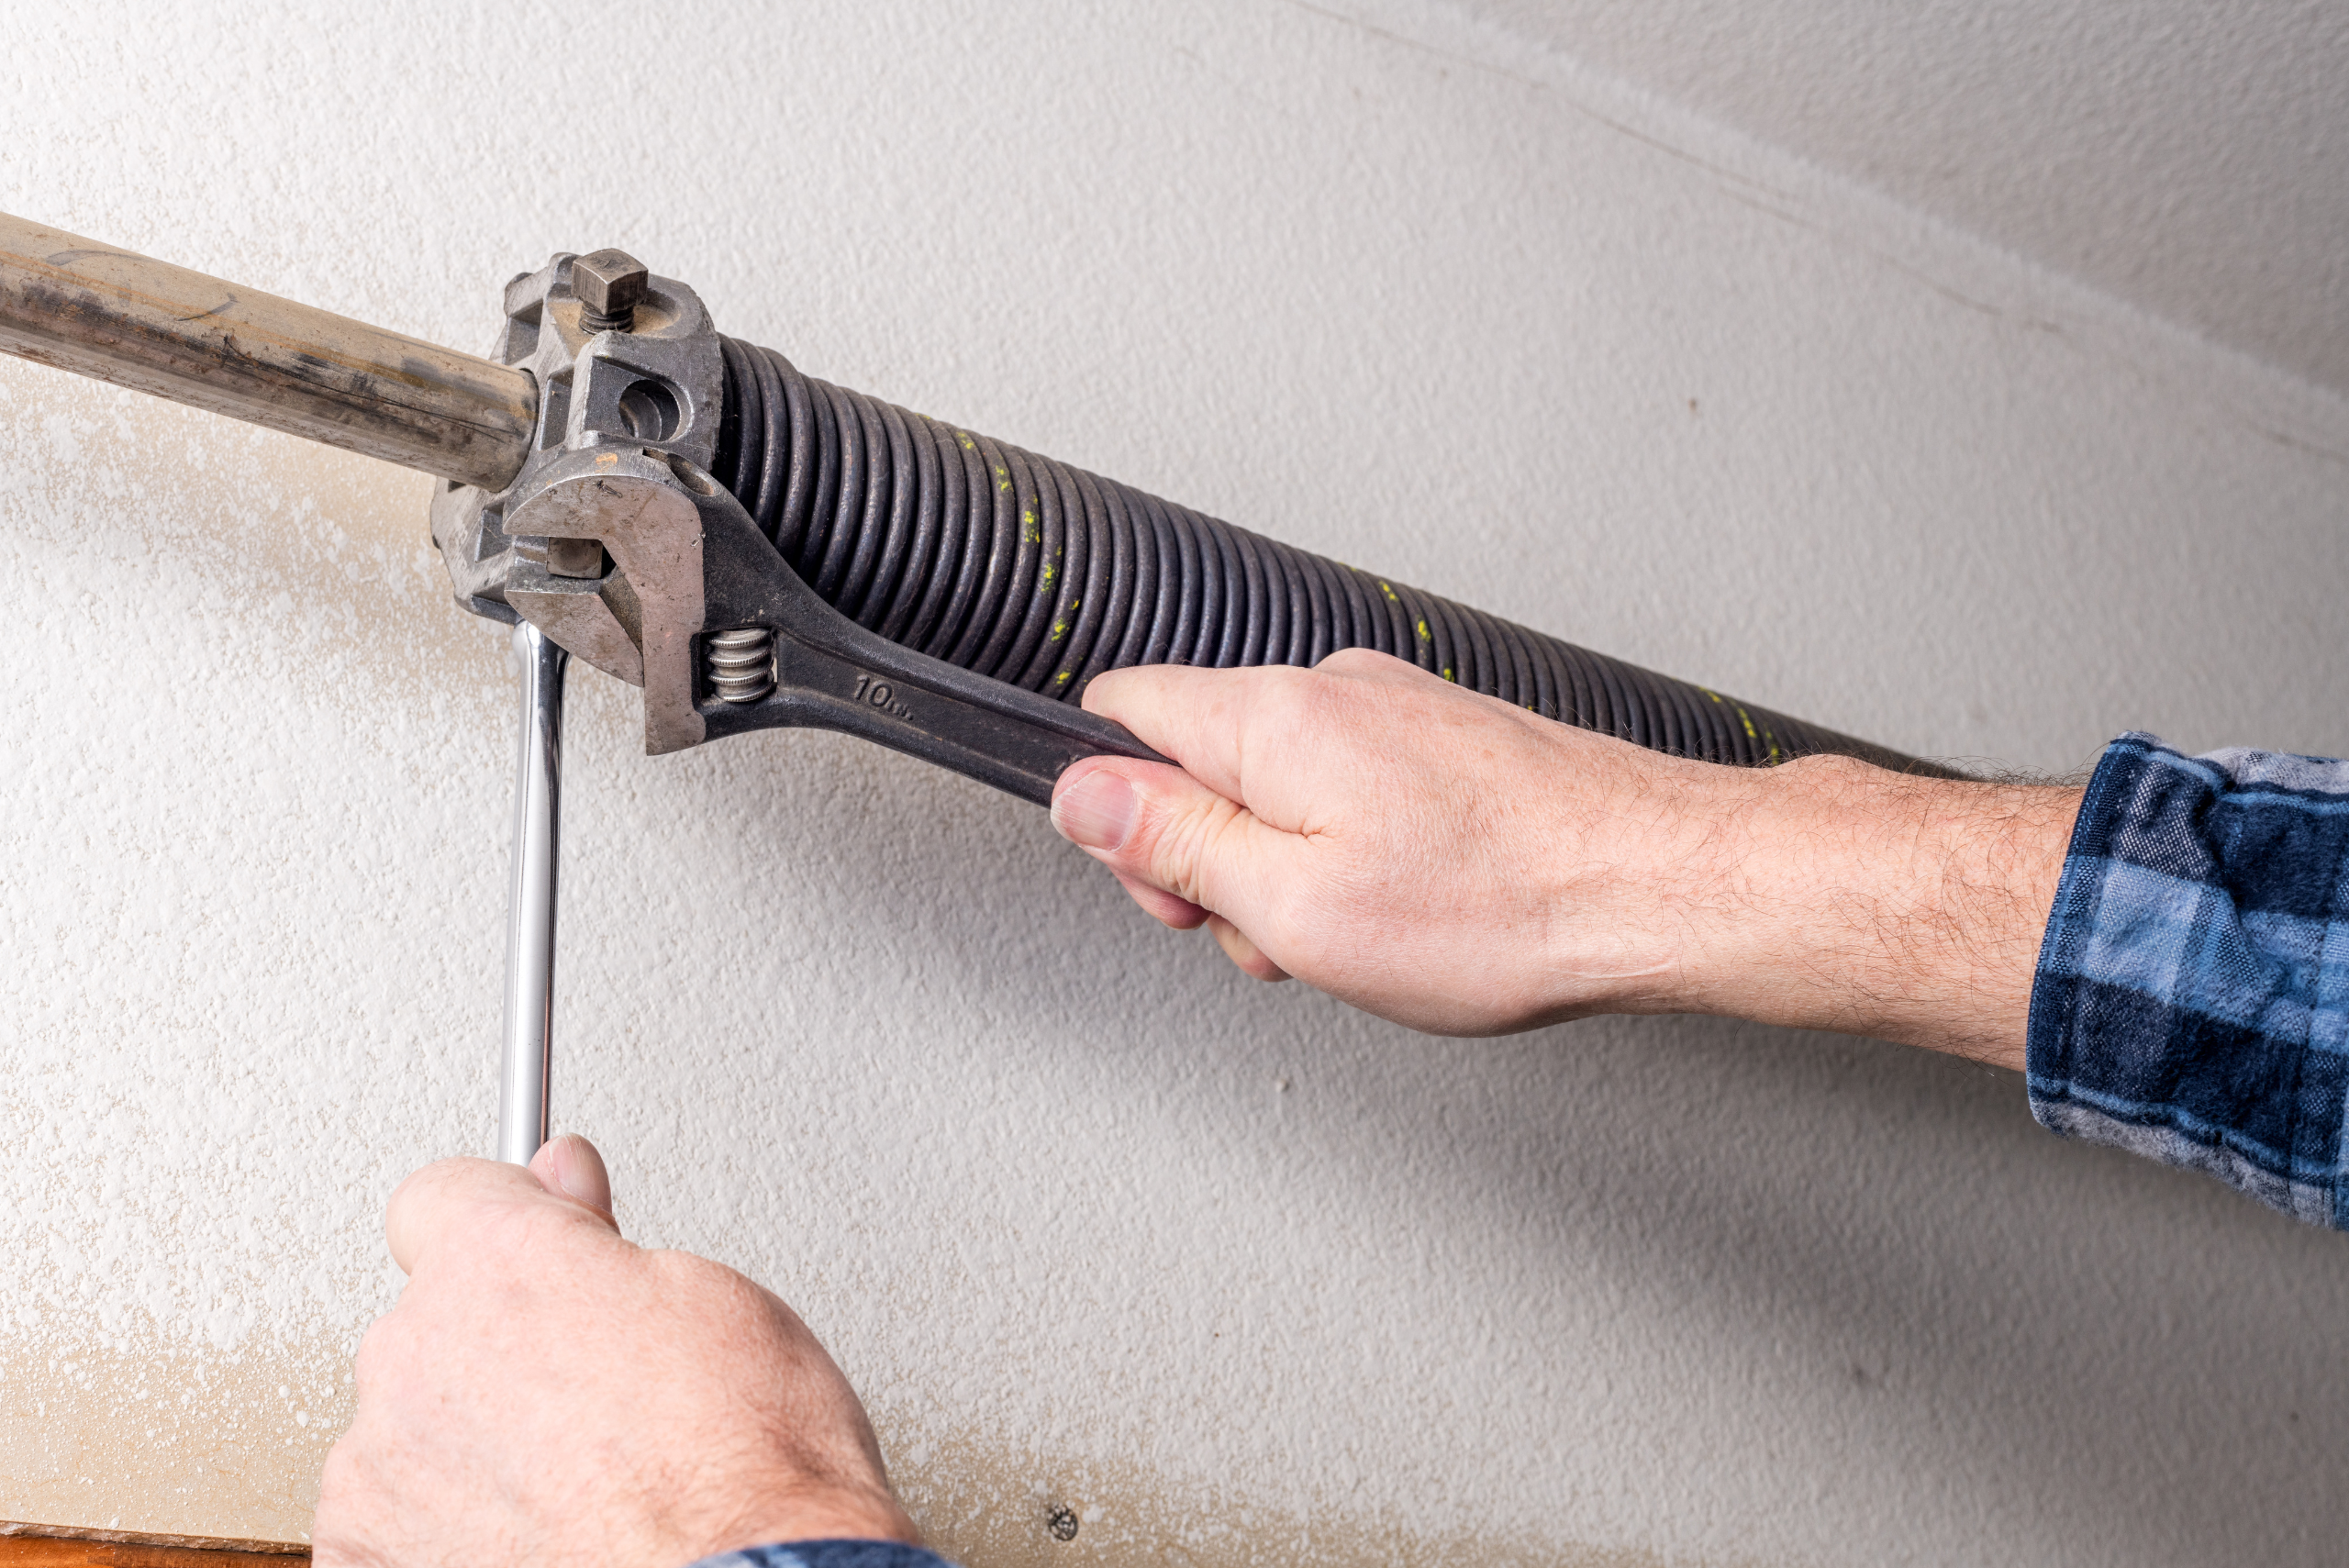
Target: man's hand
1440, 857
546, 1392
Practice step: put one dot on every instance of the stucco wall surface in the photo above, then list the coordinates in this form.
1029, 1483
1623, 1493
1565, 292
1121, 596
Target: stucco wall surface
1238, 1275
2189, 157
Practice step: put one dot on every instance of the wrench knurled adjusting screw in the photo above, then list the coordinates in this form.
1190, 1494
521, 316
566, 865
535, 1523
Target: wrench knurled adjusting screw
741, 663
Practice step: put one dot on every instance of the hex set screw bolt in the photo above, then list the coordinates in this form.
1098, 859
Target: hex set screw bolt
609, 285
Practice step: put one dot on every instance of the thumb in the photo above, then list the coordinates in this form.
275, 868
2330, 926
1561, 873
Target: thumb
467, 1203
1158, 828
571, 1167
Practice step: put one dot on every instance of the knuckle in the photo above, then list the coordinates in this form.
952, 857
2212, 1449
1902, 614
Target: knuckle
1293, 696
709, 1290
1358, 661
338, 1476
377, 1347
1180, 844
1319, 705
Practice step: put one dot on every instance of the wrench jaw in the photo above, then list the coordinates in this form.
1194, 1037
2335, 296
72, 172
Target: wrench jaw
640, 619
630, 401
686, 559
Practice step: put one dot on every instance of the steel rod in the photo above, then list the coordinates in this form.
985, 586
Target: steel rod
526, 1065
81, 306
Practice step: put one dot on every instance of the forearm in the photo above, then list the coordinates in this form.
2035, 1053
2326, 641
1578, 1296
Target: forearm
1849, 899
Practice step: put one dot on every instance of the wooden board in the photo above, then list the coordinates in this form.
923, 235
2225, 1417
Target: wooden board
56, 1546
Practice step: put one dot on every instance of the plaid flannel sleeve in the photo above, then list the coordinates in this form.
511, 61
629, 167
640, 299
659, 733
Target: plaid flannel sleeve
827, 1554
2192, 998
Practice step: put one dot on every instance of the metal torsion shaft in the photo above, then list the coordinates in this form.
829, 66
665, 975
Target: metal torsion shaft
81, 306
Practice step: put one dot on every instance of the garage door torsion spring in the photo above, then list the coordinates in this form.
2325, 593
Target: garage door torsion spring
1042, 575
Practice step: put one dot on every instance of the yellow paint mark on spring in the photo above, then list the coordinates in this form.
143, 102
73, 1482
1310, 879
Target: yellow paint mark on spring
1029, 532
1423, 633
964, 437
1777, 756
1447, 675
1060, 679
1002, 478
1389, 593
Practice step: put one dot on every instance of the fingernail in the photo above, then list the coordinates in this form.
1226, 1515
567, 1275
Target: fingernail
1097, 812
578, 1172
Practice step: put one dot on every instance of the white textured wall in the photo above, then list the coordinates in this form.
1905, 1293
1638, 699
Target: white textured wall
1247, 1277
2191, 157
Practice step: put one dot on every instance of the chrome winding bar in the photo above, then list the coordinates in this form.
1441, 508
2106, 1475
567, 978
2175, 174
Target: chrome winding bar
526, 1064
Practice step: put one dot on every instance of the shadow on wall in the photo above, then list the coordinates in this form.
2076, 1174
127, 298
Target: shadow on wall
1944, 1304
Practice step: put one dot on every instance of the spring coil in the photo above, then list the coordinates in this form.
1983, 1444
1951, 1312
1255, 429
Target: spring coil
1042, 575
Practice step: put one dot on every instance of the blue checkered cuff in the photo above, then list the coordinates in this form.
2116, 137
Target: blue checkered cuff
828, 1554
2192, 998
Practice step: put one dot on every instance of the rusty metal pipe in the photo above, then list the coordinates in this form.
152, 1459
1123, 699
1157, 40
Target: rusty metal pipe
81, 306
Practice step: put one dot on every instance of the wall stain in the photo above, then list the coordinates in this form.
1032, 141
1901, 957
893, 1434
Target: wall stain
165, 1442
169, 1441
987, 1509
